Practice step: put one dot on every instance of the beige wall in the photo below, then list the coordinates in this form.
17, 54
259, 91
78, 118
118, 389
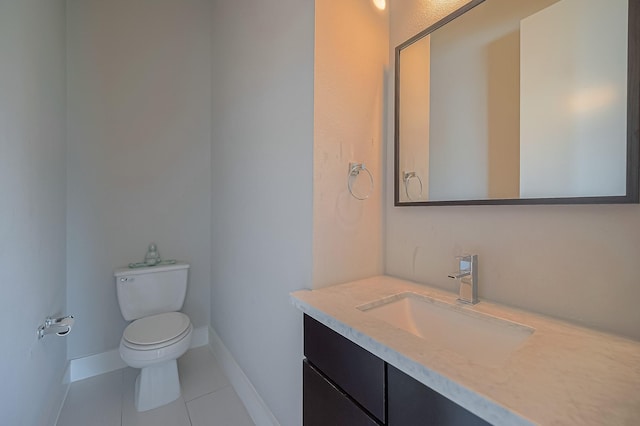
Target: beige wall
139, 111
351, 45
573, 262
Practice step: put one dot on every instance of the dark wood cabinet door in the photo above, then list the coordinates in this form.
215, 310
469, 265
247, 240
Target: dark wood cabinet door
413, 404
356, 371
324, 404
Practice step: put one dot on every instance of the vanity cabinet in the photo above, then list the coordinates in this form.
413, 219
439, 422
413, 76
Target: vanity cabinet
352, 370
324, 403
345, 385
413, 404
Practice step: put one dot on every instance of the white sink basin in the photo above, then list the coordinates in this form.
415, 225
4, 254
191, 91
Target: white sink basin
482, 338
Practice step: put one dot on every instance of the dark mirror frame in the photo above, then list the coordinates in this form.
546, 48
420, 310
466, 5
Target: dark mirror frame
633, 124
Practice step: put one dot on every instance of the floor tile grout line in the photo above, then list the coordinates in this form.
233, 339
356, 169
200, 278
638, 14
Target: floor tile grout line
186, 407
209, 393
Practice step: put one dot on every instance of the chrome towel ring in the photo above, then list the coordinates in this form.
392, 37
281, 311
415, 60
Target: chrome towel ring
354, 172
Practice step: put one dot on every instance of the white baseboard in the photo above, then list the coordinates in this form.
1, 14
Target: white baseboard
58, 399
94, 365
200, 337
253, 402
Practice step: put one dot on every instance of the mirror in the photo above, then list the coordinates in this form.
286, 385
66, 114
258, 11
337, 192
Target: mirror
520, 102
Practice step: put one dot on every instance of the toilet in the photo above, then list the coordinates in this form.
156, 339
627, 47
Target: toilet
151, 297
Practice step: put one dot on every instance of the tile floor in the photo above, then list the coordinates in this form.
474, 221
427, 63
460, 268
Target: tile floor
207, 398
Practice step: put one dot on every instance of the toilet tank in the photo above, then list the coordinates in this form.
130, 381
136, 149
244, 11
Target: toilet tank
151, 290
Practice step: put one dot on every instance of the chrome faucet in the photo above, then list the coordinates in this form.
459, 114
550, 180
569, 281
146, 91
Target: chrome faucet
468, 276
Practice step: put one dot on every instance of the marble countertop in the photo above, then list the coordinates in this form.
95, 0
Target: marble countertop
562, 374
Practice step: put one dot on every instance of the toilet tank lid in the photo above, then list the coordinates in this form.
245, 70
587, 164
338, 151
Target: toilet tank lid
126, 271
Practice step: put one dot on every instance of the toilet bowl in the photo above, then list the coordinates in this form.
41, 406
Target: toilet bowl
154, 344
159, 334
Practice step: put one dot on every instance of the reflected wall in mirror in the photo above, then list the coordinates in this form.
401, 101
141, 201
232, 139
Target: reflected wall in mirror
520, 102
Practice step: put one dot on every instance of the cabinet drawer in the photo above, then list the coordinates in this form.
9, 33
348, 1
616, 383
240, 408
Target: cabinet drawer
324, 404
413, 404
356, 371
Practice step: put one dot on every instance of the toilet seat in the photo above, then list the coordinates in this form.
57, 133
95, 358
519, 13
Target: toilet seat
156, 331
141, 356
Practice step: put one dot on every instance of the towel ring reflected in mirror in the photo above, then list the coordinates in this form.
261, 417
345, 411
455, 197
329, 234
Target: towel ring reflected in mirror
406, 178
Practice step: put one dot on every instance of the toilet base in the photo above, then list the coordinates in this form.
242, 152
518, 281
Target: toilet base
157, 385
